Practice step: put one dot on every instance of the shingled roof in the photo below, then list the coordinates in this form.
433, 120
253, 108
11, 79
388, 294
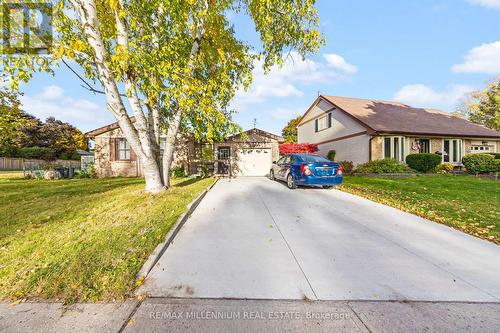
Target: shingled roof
392, 117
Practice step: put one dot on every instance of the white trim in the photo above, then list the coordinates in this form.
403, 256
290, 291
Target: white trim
460, 146
402, 147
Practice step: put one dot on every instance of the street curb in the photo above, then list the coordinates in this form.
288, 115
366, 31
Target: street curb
162, 247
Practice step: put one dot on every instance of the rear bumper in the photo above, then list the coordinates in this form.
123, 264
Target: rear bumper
319, 181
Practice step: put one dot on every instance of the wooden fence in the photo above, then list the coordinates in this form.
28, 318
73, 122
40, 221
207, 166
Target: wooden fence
10, 163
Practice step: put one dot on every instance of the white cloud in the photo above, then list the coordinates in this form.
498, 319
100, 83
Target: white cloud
287, 113
284, 82
481, 59
420, 95
338, 62
52, 102
51, 92
486, 3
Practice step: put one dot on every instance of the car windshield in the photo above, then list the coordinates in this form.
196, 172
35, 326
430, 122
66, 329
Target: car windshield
313, 159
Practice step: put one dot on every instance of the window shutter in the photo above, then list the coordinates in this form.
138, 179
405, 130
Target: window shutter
329, 120
132, 154
316, 125
112, 149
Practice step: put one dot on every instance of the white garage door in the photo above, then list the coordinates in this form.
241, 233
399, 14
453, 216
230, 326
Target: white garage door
253, 162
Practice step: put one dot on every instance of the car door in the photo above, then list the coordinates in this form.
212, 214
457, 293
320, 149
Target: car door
285, 166
276, 167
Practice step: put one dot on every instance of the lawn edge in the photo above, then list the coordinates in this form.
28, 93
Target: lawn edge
377, 200
160, 249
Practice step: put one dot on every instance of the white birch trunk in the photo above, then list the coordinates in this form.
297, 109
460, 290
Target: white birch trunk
175, 122
170, 144
134, 135
150, 163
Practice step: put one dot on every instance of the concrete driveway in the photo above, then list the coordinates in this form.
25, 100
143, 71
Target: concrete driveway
254, 238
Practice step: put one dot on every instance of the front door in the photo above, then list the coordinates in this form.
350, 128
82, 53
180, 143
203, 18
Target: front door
452, 151
223, 160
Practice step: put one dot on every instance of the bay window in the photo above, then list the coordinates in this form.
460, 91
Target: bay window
394, 147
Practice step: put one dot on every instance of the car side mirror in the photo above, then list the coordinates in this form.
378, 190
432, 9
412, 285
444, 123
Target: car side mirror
275, 162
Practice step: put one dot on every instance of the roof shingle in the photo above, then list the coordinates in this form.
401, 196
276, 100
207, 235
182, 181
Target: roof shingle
393, 117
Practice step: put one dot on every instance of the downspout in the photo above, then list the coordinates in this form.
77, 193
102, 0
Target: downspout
370, 148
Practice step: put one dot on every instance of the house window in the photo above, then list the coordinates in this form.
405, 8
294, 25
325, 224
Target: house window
123, 149
452, 150
425, 146
224, 153
394, 148
481, 149
324, 122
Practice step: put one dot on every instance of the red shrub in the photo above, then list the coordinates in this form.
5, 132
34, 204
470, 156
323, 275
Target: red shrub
295, 148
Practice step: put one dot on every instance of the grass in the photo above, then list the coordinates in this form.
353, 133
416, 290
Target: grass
467, 203
82, 240
10, 174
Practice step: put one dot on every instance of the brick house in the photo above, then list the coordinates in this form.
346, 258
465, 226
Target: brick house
247, 154
361, 130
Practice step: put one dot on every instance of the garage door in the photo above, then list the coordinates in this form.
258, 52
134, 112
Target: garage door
253, 162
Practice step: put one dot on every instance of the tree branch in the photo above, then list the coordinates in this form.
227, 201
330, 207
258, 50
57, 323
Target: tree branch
86, 84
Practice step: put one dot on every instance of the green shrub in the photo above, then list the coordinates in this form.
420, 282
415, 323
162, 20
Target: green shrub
82, 174
37, 153
423, 162
481, 163
387, 165
331, 155
69, 156
347, 166
444, 168
178, 172
496, 155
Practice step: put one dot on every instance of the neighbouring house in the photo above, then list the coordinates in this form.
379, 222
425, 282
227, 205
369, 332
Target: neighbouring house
248, 154
361, 130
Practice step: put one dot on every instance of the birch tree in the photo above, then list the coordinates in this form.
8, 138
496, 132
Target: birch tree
170, 63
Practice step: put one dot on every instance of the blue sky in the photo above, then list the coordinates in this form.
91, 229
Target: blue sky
421, 52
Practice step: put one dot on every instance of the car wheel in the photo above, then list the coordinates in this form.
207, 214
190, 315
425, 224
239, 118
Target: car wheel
272, 175
290, 182
328, 187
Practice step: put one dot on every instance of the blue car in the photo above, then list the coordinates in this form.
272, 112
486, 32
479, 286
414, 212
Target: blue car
307, 169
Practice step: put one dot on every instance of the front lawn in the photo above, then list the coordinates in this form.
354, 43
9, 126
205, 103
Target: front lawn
466, 203
10, 174
82, 240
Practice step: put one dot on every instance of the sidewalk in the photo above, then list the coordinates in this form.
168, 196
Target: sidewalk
219, 315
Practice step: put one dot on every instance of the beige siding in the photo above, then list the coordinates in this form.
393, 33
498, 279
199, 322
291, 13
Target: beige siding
436, 145
317, 110
355, 149
376, 148
253, 141
494, 145
342, 125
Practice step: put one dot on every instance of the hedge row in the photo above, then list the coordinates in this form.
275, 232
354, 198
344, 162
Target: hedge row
481, 163
423, 162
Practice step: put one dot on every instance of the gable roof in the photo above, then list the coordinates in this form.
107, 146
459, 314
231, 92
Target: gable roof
392, 117
101, 130
258, 132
